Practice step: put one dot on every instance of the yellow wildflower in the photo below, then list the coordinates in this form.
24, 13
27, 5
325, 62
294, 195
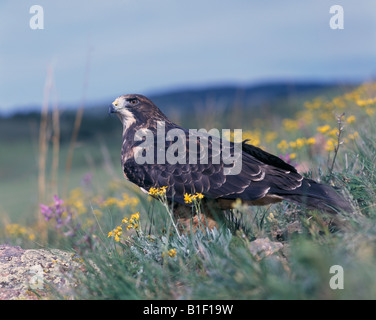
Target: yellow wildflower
254, 137
333, 133
15, 230
76, 200
199, 195
153, 191
172, 253
330, 145
116, 233
163, 189
132, 222
323, 129
361, 103
121, 203
366, 102
110, 201
300, 143
283, 145
135, 216
76, 194
187, 198
311, 141
354, 135
271, 217
79, 206
351, 119
316, 104
159, 192
127, 200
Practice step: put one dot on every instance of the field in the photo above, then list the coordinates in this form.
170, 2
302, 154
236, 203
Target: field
281, 251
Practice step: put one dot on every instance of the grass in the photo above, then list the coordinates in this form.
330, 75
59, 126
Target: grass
147, 259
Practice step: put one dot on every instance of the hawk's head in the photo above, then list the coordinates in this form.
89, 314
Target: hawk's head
135, 108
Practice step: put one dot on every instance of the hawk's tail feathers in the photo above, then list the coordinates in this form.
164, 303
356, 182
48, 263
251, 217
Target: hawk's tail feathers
319, 196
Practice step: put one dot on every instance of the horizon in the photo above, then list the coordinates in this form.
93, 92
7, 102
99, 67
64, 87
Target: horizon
36, 108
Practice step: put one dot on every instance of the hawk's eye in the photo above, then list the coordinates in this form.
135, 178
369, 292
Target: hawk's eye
133, 101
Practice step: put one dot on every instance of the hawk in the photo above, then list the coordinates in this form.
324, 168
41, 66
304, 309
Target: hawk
263, 178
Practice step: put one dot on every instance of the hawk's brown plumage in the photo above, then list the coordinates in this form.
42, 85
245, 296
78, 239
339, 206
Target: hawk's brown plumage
264, 178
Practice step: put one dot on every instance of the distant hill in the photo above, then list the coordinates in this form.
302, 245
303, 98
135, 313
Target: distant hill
249, 96
192, 107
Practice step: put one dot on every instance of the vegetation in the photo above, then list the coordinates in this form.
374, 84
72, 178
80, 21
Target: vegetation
130, 247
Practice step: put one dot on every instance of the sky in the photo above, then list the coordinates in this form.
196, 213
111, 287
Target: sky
149, 46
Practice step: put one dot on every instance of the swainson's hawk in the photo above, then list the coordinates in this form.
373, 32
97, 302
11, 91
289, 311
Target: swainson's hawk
263, 179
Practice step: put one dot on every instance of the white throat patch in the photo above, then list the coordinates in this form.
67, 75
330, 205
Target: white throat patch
127, 118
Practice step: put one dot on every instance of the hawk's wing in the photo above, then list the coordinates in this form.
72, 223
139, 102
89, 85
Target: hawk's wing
261, 173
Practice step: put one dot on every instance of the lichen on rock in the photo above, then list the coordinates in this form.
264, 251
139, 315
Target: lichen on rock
36, 273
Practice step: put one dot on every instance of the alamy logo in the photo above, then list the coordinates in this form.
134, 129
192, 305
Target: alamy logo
37, 20
36, 281
337, 20
336, 281
177, 146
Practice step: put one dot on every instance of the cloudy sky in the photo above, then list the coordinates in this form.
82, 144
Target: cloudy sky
146, 46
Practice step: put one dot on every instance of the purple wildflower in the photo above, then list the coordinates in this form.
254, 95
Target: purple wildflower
46, 212
58, 201
55, 211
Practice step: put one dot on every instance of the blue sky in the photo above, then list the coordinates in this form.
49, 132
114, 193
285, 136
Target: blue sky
146, 46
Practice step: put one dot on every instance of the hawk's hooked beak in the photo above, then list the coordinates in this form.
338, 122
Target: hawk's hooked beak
113, 107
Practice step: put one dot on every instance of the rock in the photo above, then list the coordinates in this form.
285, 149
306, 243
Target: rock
36, 274
263, 247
